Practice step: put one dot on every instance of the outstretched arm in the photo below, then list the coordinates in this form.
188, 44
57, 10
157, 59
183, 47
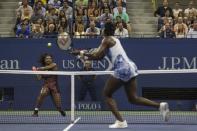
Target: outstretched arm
100, 52
48, 67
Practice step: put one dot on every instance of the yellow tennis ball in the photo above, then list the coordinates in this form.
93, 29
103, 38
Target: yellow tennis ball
49, 44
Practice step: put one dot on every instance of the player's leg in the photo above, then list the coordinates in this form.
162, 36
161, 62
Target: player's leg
131, 89
43, 93
111, 86
57, 101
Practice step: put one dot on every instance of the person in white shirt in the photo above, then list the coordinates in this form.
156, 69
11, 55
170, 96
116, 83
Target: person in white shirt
193, 31
121, 32
190, 9
176, 10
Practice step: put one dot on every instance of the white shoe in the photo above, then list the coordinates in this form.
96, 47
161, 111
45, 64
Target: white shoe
164, 110
119, 124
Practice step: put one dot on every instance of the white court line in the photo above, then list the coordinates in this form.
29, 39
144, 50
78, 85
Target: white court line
71, 125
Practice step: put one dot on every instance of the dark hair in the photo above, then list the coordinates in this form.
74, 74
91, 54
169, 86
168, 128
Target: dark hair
109, 29
42, 58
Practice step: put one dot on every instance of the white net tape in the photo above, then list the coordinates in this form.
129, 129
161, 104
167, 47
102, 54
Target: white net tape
179, 71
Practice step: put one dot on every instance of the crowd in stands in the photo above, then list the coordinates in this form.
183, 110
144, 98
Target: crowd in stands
80, 18
177, 22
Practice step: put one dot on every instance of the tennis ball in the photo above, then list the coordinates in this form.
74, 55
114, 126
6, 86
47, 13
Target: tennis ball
49, 44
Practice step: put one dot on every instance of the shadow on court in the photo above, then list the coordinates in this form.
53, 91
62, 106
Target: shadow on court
134, 127
32, 127
95, 127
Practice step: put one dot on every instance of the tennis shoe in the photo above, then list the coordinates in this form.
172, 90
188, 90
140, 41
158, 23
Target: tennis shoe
119, 124
164, 110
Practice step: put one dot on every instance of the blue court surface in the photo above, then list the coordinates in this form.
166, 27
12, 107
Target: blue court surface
95, 127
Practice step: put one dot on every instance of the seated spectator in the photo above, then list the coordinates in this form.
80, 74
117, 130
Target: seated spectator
26, 14
51, 33
193, 31
92, 31
180, 28
95, 20
177, 9
36, 32
52, 14
55, 3
23, 31
68, 11
161, 11
40, 22
124, 16
81, 15
64, 24
115, 3
167, 18
39, 6
119, 20
37, 15
167, 31
105, 16
23, 7
121, 32
79, 28
115, 10
191, 18
105, 6
92, 8
190, 9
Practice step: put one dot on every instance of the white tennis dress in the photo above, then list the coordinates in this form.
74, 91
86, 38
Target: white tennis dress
123, 67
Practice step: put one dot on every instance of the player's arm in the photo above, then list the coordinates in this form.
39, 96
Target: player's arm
100, 52
48, 67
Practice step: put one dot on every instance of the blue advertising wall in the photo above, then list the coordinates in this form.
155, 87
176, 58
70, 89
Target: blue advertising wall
148, 54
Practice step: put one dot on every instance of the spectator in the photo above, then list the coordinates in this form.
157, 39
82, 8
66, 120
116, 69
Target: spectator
24, 6
82, 16
166, 31
51, 33
36, 32
55, 3
190, 9
23, 31
64, 24
52, 15
161, 11
105, 6
193, 31
87, 83
92, 8
39, 6
119, 4
68, 11
79, 28
115, 3
180, 28
105, 16
166, 18
121, 32
124, 16
92, 31
177, 9
26, 14
37, 15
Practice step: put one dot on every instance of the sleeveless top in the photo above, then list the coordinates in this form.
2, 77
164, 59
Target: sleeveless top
123, 67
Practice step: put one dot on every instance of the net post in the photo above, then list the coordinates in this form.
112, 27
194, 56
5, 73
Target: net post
72, 98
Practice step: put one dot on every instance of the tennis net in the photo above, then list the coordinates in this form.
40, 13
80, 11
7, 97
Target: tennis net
19, 90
